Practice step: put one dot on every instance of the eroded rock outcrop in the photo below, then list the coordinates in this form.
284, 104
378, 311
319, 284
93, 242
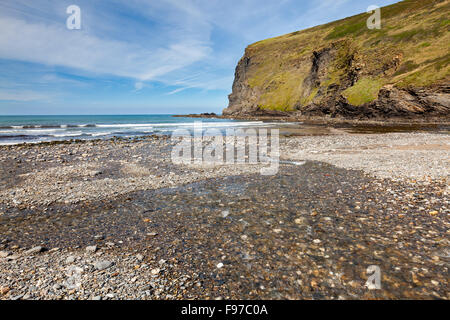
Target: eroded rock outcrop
392, 102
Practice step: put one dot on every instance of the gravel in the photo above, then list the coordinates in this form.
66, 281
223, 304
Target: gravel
411, 156
122, 222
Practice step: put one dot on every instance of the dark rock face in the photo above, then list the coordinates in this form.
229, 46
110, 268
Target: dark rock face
320, 60
243, 100
396, 102
392, 102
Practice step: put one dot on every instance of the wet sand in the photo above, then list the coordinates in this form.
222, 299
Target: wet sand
340, 203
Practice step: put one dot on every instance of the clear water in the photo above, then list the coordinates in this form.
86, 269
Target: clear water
32, 129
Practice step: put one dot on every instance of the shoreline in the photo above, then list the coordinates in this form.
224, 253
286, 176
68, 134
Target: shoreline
287, 126
327, 121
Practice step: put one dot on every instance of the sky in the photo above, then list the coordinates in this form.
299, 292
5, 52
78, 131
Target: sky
140, 56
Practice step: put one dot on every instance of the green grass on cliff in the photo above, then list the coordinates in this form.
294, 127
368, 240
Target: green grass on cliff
414, 32
363, 91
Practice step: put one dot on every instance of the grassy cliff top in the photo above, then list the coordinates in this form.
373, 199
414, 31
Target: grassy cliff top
410, 49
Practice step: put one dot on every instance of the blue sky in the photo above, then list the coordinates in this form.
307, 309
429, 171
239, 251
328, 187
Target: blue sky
140, 56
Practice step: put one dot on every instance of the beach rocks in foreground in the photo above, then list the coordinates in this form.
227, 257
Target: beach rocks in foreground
338, 205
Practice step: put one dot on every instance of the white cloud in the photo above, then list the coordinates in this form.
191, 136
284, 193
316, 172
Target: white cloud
14, 95
138, 86
52, 45
181, 43
176, 91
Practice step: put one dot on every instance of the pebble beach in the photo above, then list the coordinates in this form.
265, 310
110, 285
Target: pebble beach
117, 219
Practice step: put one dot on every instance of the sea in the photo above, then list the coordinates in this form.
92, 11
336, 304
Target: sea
35, 129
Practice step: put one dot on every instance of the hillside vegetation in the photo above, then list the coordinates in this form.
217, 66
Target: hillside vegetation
340, 66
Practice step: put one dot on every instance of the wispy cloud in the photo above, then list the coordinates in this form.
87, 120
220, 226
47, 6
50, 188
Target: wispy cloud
51, 45
138, 86
176, 91
24, 96
176, 45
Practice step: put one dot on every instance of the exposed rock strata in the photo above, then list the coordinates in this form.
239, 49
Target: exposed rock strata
392, 102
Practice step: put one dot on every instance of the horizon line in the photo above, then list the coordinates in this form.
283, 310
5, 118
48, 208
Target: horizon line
111, 114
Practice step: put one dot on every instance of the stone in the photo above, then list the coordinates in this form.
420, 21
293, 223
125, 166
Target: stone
95, 173
155, 271
162, 261
57, 286
70, 259
35, 250
140, 257
4, 290
13, 257
4, 254
219, 265
91, 249
102, 265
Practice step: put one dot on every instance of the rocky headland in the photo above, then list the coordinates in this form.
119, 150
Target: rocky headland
344, 70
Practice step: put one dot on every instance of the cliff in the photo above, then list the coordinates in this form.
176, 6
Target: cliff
344, 69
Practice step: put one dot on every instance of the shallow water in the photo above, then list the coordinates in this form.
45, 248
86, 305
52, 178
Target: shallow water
34, 129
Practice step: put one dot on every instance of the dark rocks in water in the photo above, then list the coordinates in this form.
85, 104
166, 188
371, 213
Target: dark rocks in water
201, 115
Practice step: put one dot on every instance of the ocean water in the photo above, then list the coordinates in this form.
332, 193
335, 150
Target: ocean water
33, 129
